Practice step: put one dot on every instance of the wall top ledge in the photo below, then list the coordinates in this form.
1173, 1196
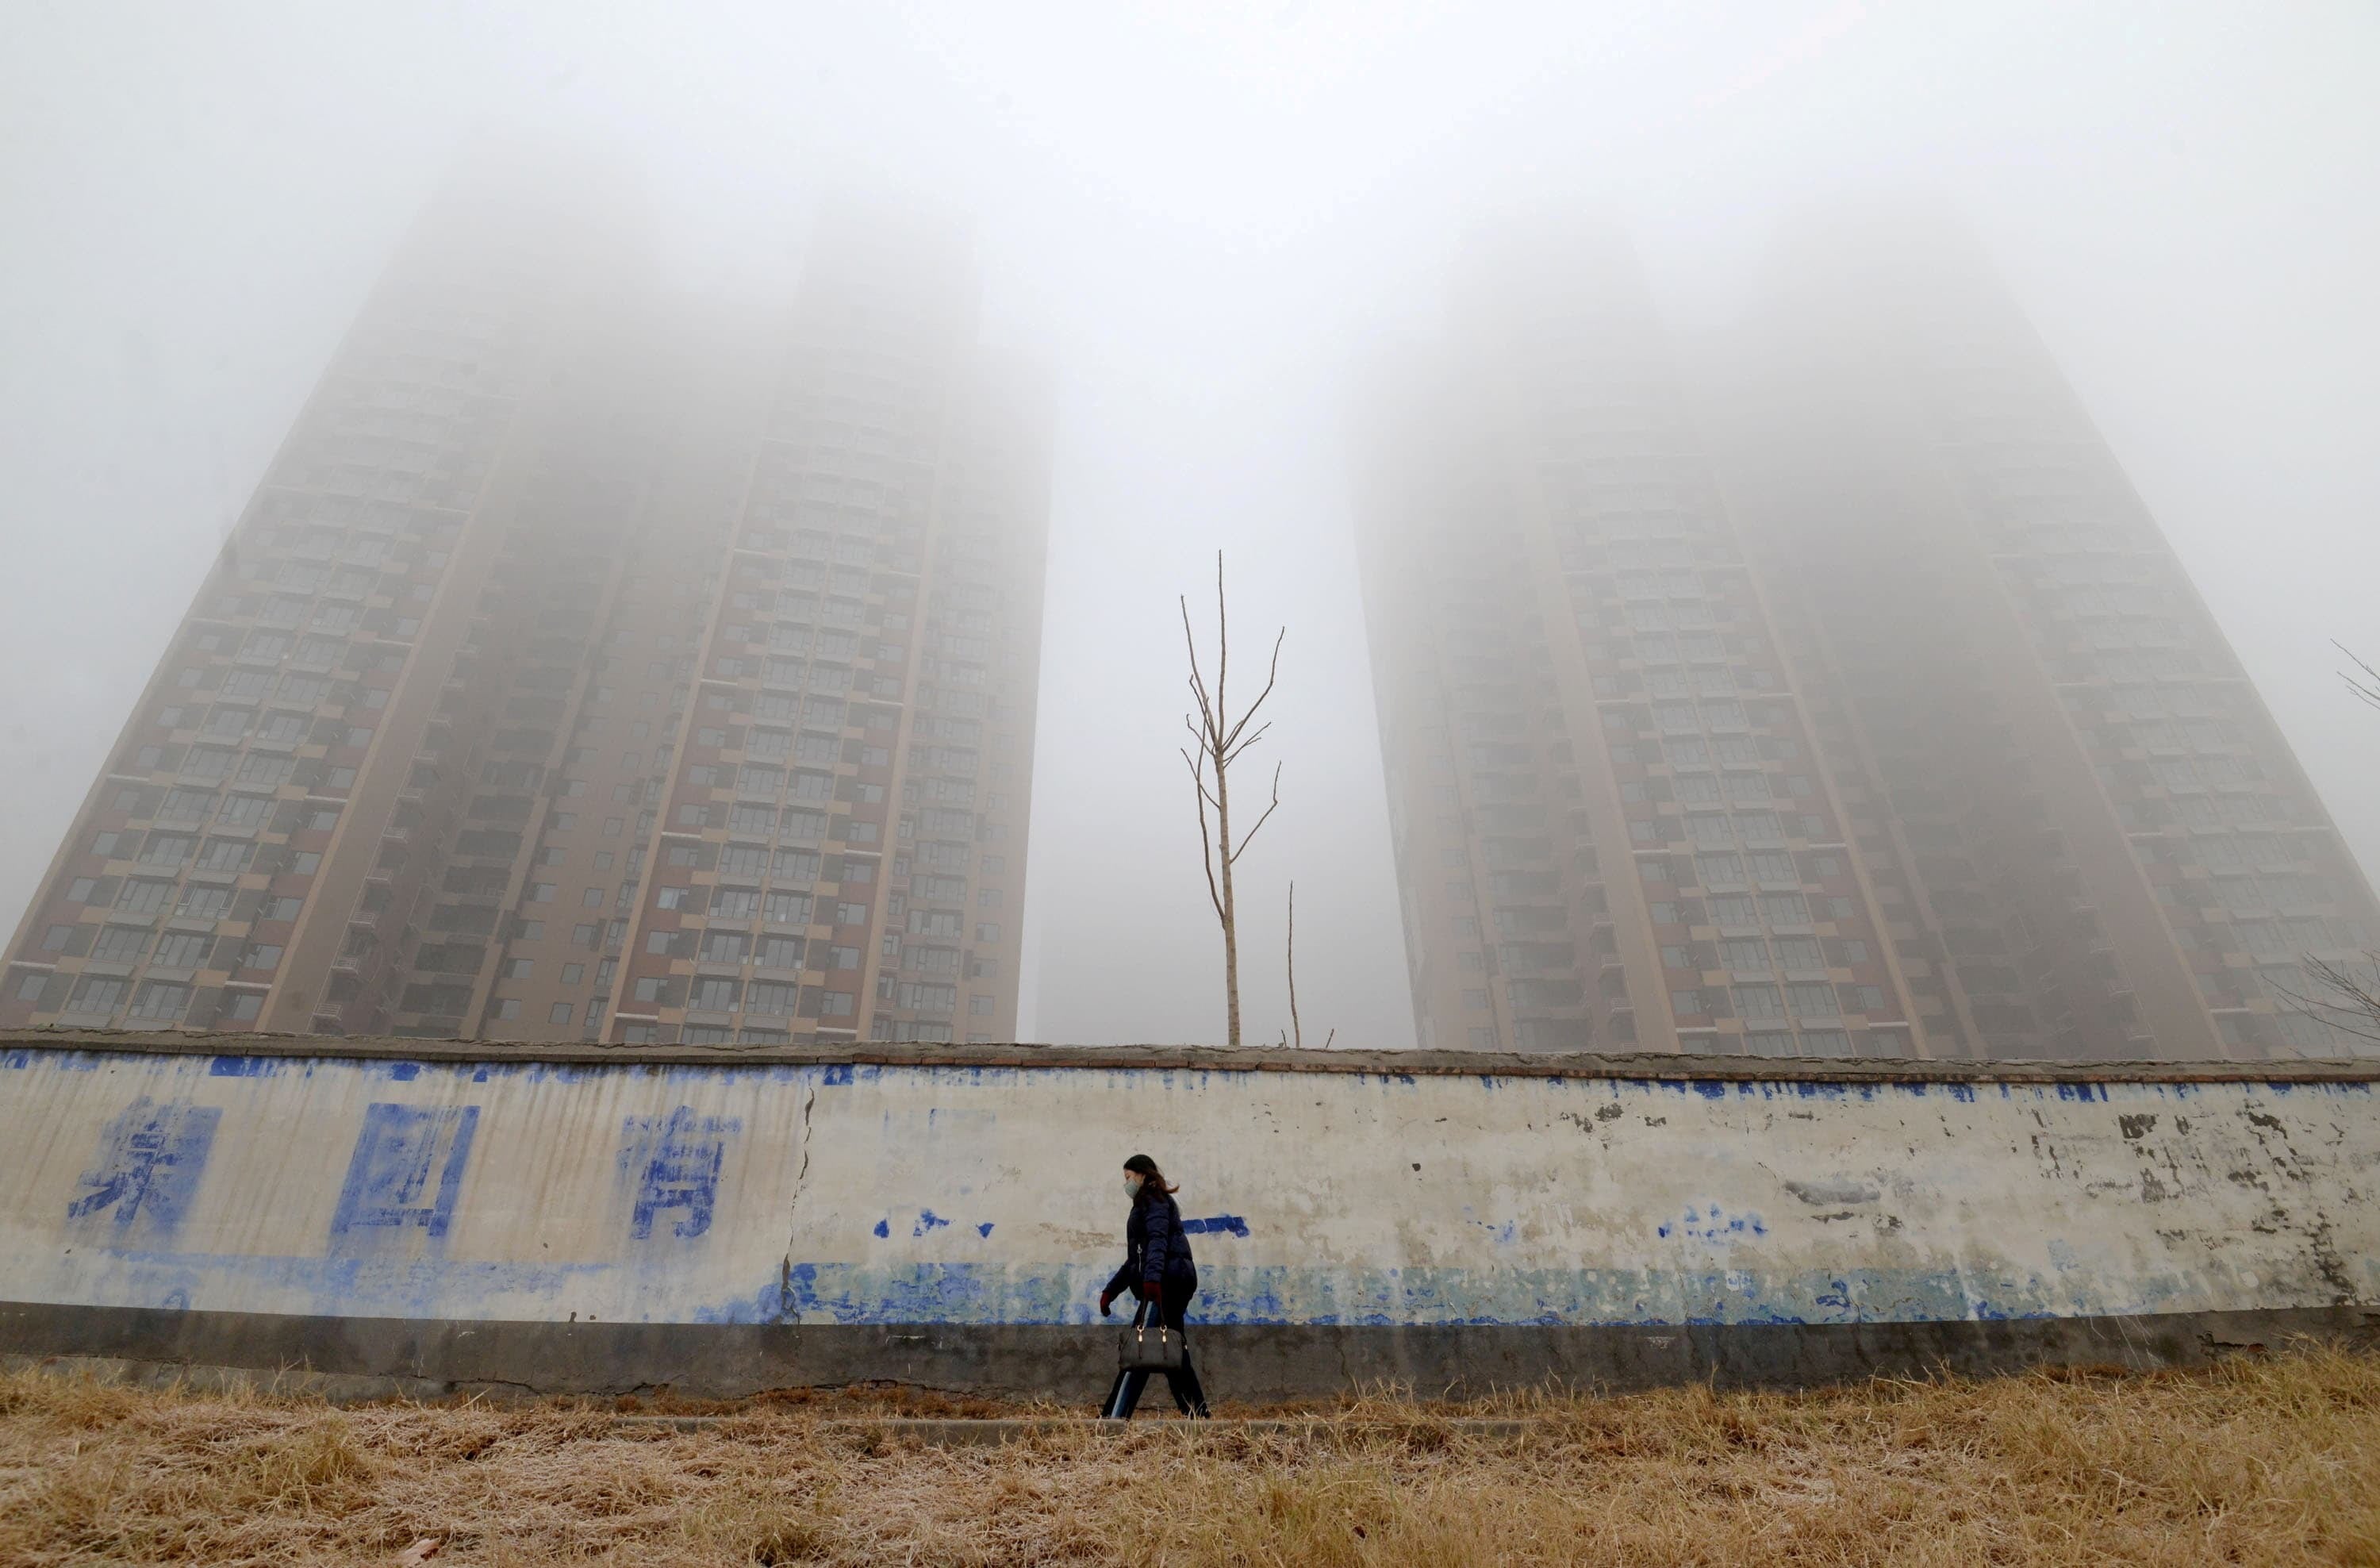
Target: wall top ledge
1194, 1058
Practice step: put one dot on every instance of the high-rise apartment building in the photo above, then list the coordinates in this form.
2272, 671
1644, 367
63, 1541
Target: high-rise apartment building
593, 665
1822, 691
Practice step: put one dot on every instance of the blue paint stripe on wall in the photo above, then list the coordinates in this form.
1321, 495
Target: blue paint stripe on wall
989, 1293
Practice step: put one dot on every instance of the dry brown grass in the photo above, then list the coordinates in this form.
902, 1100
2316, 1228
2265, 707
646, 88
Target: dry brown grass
2273, 1460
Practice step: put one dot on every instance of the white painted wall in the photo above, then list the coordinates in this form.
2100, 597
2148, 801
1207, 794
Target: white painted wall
991, 1195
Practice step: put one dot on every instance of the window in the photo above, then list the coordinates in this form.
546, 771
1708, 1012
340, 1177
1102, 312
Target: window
779, 952
182, 805
842, 958
260, 955
713, 994
1686, 1002
559, 1013
590, 899
119, 945
202, 902
96, 993
1733, 909
518, 968
167, 849
181, 950
837, 1005
851, 914
80, 889
1814, 1000
226, 854
247, 810
508, 1007
723, 947
1743, 953
142, 897
161, 1000
1759, 1001
985, 930
1474, 1000
1799, 952
1716, 870
771, 996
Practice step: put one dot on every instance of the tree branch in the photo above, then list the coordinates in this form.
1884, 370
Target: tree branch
2367, 690
1198, 685
1206, 843
2361, 1002
1273, 676
1234, 754
1222, 636
1250, 836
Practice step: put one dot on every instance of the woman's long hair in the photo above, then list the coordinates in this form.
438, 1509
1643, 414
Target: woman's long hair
1153, 1183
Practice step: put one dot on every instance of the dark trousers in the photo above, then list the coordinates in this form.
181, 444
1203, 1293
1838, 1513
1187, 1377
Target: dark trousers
1189, 1397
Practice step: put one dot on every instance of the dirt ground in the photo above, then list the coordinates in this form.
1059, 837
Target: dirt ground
2269, 1460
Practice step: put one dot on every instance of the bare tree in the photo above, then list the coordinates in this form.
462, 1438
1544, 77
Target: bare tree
2346, 1000
2352, 1006
1220, 740
1293, 1026
1295, 1029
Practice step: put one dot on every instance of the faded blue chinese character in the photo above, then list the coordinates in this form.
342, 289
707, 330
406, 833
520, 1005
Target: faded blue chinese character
147, 1167
675, 1161
406, 1169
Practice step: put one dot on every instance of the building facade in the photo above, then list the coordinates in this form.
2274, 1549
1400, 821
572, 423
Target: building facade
1820, 689
594, 664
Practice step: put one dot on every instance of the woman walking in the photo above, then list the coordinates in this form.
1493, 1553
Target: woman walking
1158, 1270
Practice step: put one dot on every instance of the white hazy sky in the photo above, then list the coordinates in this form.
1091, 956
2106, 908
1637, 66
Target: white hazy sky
1203, 212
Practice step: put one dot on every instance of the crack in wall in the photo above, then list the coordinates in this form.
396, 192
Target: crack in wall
793, 1201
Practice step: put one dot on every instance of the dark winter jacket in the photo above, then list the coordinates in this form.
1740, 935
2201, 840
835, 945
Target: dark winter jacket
1156, 1250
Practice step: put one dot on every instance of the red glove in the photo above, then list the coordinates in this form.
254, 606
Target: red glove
1153, 1293
1106, 1297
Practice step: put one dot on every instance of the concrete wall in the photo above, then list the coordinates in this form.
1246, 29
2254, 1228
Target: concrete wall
461, 1222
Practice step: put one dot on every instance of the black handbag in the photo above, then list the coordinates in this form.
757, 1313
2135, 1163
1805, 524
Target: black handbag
1150, 1347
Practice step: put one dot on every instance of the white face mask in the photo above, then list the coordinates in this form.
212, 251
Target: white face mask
1131, 1180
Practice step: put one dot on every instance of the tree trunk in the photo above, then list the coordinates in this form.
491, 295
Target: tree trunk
1295, 1029
1231, 921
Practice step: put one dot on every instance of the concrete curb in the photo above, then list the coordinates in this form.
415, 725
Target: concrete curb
1644, 1065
